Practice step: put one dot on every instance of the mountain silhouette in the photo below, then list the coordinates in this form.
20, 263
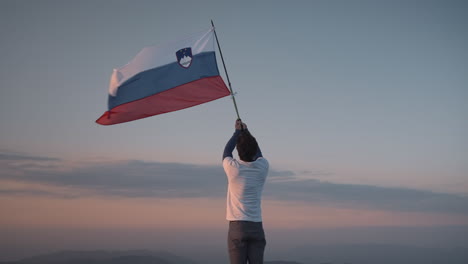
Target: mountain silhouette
114, 257
105, 257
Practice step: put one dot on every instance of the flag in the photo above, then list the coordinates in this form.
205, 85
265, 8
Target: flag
165, 78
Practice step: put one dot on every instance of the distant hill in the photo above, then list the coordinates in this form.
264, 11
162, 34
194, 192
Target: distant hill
113, 257
105, 257
381, 254
307, 254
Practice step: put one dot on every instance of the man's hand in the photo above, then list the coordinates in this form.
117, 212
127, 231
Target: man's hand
240, 125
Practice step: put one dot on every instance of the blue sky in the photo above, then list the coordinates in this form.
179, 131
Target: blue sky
349, 99
370, 91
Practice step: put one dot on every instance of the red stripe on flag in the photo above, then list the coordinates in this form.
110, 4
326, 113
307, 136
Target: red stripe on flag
177, 98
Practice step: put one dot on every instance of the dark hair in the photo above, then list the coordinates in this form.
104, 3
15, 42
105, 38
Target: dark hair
247, 146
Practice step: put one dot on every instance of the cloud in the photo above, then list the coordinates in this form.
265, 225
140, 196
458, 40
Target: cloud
135, 178
16, 156
35, 192
285, 174
130, 178
368, 196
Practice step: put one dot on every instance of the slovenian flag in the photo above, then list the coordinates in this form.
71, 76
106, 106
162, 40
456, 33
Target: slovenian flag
165, 78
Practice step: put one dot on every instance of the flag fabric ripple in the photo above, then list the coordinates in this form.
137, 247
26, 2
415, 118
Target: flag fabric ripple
165, 78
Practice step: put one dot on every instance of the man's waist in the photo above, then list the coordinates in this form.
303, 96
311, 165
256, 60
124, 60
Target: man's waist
245, 224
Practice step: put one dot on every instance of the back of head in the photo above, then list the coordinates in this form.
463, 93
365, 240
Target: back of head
247, 146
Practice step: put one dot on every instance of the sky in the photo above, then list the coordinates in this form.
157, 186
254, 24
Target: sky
359, 106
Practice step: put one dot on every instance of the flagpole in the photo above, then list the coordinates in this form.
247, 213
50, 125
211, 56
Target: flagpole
227, 76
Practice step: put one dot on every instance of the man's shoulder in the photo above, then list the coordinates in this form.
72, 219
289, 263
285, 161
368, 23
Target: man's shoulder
259, 163
262, 160
230, 161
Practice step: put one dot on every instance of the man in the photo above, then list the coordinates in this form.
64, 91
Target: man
246, 177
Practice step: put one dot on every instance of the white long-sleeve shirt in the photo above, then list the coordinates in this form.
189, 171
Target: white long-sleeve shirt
245, 186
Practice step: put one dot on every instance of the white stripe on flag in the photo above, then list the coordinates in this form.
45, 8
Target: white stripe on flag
156, 56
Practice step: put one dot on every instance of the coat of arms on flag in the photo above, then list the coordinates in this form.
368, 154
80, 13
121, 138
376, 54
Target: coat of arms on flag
184, 57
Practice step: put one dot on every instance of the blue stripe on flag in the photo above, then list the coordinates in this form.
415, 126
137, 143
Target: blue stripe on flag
163, 78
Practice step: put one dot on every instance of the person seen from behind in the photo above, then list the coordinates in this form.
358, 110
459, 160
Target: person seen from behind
246, 177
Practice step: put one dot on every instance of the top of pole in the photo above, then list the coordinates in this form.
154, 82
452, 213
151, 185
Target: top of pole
227, 76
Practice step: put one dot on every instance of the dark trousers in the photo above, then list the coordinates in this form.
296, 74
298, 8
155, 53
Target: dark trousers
246, 242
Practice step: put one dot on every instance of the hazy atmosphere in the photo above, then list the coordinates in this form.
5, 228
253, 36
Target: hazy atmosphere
359, 107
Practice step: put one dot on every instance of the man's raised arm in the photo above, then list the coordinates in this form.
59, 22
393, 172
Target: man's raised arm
231, 144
